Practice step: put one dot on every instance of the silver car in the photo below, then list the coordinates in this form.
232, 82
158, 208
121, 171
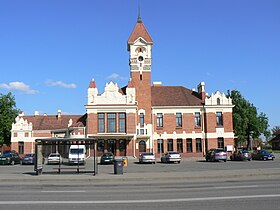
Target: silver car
216, 155
171, 157
147, 157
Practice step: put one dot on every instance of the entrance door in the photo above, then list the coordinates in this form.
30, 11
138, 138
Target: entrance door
112, 146
142, 146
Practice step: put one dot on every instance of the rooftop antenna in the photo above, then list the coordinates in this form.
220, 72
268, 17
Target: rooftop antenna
139, 16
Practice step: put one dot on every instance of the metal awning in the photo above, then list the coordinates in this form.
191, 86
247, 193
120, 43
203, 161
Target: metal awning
66, 141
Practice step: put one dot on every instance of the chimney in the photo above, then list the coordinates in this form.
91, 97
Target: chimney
59, 114
157, 83
21, 114
201, 91
36, 113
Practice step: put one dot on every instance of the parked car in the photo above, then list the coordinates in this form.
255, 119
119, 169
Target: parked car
241, 155
10, 158
171, 157
54, 158
28, 159
147, 157
216, 154
107, 158
262, 155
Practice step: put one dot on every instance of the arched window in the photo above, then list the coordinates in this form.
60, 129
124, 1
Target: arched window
142, 146
218, 101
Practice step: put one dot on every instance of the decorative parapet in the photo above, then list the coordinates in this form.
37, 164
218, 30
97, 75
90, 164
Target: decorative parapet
21, 125
218, 99
112, 96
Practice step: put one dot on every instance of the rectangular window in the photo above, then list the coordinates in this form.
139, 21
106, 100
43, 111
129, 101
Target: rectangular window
26, 134
170, 144
198, 145
178, 119
219, 118
221, 142
122, 122
111, 118
142, 120
160, 148
197, 120
101, 123
122, 145
189, 145
159, 120
180, 145
21, 147
100, 145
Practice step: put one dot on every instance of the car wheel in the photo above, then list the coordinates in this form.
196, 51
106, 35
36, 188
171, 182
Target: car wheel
179, 161
225, 160
264, 158
249, 159
13, 162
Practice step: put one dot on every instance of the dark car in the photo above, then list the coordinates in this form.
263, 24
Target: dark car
28, 159
262, 155
241, 155
10, 158
216, 155
107, 158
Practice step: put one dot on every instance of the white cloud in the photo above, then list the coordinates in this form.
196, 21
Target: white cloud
60, 84
19, 86
115, 76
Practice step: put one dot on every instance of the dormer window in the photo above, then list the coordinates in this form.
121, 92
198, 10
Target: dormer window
218, 101
140, 58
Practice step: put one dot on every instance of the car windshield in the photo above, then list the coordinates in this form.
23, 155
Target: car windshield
173, 153
244, 151
265, 152
7, 155
107, 155
147, 153
219, 150
54, 155
29, 155
77, 151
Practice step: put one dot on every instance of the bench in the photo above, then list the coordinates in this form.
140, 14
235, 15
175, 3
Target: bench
59, 169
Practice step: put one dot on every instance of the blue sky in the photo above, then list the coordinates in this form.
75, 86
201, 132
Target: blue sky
50, 50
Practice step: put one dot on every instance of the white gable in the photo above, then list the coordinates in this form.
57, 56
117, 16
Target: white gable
218, 99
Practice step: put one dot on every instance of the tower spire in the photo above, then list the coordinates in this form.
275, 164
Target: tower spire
139, 20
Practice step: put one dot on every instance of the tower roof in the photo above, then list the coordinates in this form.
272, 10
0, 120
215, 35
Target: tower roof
139, 31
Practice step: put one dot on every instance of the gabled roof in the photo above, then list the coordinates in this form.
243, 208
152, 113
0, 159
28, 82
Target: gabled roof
174, 96
139, 31
53, 122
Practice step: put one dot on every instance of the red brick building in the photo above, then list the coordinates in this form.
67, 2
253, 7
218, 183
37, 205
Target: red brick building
142, 116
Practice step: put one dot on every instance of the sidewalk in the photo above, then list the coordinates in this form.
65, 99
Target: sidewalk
155, 177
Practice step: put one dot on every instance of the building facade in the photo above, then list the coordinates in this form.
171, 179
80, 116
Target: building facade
142, 116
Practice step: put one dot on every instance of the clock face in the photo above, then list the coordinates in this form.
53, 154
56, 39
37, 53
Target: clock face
140, 58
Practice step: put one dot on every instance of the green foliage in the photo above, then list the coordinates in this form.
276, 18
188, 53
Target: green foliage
246, 120
8, 113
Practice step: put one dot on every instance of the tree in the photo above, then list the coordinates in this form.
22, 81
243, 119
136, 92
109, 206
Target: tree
8, 113
247, 123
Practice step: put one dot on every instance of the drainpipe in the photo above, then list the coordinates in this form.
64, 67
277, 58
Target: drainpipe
203, 129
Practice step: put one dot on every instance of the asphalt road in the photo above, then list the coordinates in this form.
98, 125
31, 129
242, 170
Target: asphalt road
257, 194
192, 184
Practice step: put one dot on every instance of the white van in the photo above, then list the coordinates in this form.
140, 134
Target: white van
77, 154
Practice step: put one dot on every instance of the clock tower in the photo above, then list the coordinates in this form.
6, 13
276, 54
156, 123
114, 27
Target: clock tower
140, 59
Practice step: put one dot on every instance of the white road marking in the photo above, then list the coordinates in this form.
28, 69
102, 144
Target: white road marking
236, 187
139, 201
63, 191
